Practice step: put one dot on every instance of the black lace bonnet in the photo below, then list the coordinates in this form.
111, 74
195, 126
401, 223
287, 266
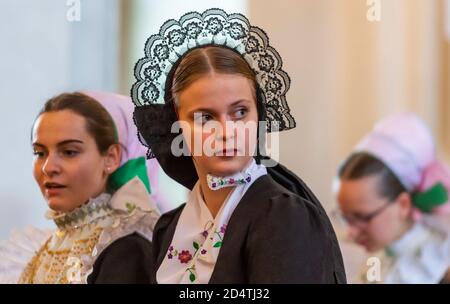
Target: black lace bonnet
154, 109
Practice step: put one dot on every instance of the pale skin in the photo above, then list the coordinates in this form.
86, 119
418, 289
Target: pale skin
219, 97
68, 166
361, 197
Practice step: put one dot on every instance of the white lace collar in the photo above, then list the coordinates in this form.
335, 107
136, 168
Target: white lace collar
93, 210
410, 241
421, 256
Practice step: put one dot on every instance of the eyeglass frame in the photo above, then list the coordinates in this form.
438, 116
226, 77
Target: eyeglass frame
364, 219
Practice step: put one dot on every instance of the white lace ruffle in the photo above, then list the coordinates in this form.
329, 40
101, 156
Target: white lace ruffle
427, 261
141, 219
133, 211
16, 253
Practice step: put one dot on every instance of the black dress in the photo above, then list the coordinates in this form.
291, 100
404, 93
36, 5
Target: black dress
278, 233
126, 261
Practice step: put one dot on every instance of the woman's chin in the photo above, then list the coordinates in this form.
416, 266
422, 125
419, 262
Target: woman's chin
371, 248
60, 205
224, 166
56, 204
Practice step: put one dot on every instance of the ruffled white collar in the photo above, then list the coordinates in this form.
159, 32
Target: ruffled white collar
84, 233
421, 256
410, 241
93, 210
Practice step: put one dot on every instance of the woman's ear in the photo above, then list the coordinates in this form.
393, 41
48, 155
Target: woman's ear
405, 203
112, 158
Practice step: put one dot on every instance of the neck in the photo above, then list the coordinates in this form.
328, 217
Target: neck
214, 199
404, 229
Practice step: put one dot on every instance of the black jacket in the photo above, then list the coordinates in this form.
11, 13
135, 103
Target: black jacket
274, 235
126, 261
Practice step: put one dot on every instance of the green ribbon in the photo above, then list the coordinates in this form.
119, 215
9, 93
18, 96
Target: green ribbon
427, 200
133, 167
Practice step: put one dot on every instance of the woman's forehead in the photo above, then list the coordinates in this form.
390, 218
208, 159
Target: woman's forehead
216, 90
53, 127
359, 192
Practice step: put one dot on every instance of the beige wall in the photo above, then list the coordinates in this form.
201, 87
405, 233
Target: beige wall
348, 72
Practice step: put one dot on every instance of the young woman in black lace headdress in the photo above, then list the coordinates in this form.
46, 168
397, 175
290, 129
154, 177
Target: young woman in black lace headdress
215, 76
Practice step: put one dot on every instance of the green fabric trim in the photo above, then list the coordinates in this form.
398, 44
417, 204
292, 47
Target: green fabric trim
133, 167
433, 197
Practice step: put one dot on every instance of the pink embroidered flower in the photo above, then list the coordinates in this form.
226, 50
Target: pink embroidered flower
223, 228
184, 256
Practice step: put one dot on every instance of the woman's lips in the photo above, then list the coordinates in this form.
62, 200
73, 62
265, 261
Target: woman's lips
363, 243
52, 189
227, 152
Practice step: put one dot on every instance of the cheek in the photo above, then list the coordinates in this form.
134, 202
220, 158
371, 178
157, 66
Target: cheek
250, 136
37, 171
383, 227
193, 137
86, 173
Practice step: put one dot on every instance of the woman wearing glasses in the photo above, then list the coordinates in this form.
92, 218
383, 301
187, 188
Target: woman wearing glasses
393, 194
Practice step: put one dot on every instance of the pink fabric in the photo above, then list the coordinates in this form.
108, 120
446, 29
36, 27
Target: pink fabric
121, 110
405, 144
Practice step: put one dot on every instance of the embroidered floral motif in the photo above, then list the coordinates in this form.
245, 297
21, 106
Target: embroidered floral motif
185, 256
220, 233
217, 182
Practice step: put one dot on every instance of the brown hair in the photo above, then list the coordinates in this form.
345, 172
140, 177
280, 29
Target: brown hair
361, 164
206, 60
99, 123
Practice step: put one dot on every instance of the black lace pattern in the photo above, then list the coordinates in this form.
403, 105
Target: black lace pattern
213, 27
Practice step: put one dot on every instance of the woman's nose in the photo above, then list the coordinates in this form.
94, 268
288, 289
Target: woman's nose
353, 231
226, 129
51, 165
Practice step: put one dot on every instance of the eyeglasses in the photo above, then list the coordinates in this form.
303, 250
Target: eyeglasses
362, 219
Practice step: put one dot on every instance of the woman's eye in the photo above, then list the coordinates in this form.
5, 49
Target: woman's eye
70, 152
38, 153
203, 118
239, 114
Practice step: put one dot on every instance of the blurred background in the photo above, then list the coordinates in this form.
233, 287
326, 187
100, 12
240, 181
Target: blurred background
351, 62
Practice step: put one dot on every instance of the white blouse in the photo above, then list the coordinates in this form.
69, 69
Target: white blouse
421, 256
198, 236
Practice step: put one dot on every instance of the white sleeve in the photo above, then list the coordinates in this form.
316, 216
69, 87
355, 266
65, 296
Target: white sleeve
17, 252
